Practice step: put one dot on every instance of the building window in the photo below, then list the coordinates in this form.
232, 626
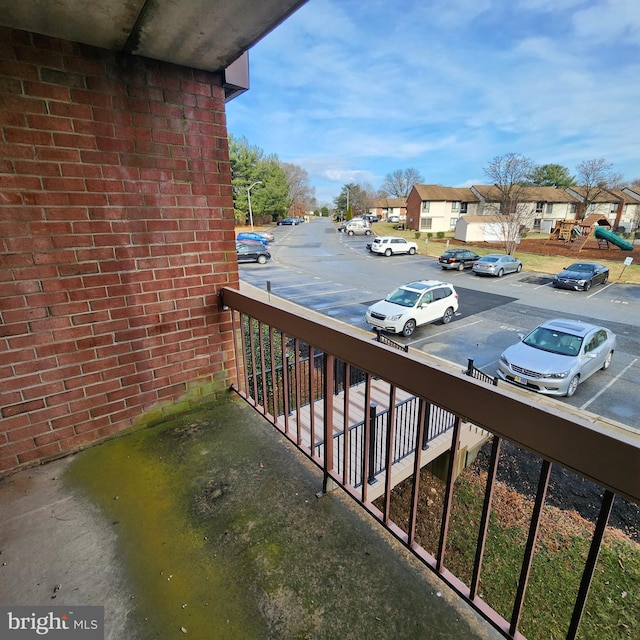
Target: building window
455, 206
426, 224
536, 223
614, 207
574, 207
539, 207
425, 206
549, 208
452, 222
463, 207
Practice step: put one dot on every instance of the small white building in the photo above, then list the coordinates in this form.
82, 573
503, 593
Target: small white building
482, 229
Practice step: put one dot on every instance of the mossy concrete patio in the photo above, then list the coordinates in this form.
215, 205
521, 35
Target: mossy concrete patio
208, 525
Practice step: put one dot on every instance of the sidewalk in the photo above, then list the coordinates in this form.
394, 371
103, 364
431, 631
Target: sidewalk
209, 526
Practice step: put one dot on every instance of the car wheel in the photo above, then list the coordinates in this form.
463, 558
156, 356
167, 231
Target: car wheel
387, 252
367, 232
573, 385
500, 273
409, 328
412, 251
607, 361
349, 233
606, 278
587, 285
448, 315
262, 259
460, 267
519, 268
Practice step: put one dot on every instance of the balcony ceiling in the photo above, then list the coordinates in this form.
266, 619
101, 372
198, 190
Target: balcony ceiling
203, 34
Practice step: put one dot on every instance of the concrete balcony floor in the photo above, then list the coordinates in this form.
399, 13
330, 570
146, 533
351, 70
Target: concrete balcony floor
208, 525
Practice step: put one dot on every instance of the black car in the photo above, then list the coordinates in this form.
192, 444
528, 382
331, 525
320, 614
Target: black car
459, 259
252, 252
290, 221
582, 275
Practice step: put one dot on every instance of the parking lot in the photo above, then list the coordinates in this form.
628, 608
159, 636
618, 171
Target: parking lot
335, 275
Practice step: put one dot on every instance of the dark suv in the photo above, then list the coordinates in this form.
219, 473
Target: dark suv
459, 259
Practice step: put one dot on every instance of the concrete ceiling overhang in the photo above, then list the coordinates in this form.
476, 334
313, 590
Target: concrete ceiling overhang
202, 34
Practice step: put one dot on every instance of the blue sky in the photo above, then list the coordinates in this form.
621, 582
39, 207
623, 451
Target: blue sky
351, 90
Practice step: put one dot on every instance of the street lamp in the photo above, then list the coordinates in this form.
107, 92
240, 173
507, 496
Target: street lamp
346, 215
249, 200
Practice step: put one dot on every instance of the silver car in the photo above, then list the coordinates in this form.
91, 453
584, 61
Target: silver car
557, 356
496, 264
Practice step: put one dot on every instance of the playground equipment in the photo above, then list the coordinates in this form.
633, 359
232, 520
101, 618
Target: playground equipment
605, 234
579, 232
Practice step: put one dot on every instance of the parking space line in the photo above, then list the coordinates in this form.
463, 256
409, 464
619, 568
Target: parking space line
586, 404
321, 293
441, 333
595, 293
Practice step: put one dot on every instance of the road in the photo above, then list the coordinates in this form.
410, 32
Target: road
318, 268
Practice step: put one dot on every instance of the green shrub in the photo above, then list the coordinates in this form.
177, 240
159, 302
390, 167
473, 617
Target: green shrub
440, 235
417, 235
429, 234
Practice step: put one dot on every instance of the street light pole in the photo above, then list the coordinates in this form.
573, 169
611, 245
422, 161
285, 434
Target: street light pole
347, 212
249, 201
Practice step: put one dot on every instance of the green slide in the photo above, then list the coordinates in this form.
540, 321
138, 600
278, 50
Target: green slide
609, 236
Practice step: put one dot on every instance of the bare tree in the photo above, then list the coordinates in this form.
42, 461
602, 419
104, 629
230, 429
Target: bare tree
301, 193
594, 177
509, 175
399, 183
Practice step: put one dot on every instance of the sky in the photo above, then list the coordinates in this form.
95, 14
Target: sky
351, 90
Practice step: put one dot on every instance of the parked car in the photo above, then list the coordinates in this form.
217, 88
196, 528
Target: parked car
371, 217
412, 305
496, 264
459, 259
557, 356
353, 227
266, 234
289, 221
252, 252
389, 245
393, 218
251, 235
582, 275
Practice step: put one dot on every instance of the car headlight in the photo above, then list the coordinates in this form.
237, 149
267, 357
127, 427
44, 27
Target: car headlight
582, 282
394, 318
556, 376
504, 360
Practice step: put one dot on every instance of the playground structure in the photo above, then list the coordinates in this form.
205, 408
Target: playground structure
579, 232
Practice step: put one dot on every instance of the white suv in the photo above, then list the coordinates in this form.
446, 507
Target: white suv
388, 245
412, 305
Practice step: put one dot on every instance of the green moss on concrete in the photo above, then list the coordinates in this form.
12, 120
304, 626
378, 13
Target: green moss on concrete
221, 533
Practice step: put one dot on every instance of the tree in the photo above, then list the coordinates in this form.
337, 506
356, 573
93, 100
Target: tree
594, 178
249, 165
301, 193
552, 175
398, 184
354, 199
509, 174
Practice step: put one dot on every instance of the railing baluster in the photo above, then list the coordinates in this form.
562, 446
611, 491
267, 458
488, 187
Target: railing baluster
486, 512
590, 565
543, 484
415, 490
448, 495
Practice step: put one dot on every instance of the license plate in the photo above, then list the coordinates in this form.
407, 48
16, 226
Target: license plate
517, 378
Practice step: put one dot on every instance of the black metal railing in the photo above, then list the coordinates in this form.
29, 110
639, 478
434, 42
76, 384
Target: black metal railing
451, 402
476, 373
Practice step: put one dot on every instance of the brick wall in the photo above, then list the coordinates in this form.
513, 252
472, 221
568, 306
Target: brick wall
116, 233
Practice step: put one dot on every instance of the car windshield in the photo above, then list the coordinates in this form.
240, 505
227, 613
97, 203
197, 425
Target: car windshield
489, 259
580, 266
554, 341
403, 297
